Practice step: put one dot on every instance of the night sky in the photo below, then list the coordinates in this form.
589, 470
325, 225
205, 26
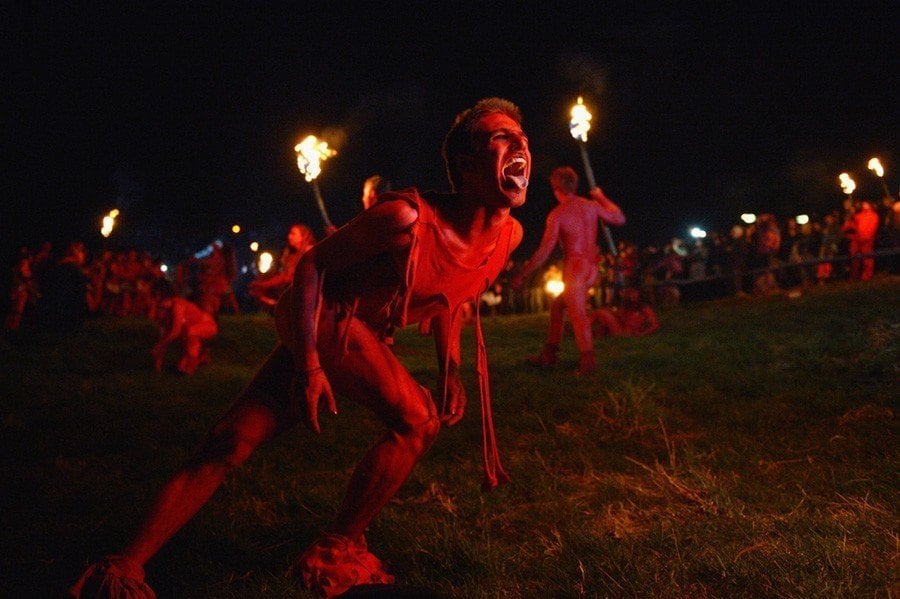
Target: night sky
185, 118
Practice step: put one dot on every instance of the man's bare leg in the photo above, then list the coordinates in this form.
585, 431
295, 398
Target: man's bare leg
576, 304
248, 424
372, 375
230, 443
547, 357
369, 373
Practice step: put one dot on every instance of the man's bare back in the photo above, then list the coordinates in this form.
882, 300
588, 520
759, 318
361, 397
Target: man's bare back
573, 224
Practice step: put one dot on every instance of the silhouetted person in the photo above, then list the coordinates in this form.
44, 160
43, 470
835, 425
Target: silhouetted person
62, 285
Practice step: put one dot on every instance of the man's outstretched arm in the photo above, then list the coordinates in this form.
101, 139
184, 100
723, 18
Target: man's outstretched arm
548, 242
608, 210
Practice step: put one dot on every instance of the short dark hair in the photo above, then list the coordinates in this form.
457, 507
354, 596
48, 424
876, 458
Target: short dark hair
379, 184
460, 139
565, 178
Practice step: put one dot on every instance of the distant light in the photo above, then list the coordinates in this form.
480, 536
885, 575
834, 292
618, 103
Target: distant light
235, 229
698, 233
265, 262
254, 246
802, 219
164, 267
555, 287
204, 253
244, 269
748, 217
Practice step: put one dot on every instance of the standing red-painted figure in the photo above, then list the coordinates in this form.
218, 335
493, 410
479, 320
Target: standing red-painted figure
218, 270
409, 257
269, 287
860, 230
573, 224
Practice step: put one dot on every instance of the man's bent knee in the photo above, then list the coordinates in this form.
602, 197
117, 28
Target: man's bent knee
419, 436
226, 446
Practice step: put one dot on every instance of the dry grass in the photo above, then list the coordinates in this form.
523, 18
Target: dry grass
748, 449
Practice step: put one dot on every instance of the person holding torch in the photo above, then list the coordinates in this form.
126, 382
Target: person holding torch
573, 224
409, 257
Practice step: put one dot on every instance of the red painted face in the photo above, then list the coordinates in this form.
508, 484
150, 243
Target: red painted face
297, 238
506, 157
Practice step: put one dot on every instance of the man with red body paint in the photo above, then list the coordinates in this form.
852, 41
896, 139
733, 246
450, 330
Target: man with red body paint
860, 229
574, 224
267, 289
179, 318
407, 258
633, 317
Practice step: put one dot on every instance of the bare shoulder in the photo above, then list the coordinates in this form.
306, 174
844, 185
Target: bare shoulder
517, 232
383, 226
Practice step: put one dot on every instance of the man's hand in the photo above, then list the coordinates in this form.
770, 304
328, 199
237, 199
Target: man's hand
597, 194
313, 384
455, 406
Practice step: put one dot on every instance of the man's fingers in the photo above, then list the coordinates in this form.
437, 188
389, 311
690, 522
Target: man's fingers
312, 413
453, 418
332, 404
312, 421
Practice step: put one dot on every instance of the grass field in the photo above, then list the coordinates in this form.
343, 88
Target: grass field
747, 449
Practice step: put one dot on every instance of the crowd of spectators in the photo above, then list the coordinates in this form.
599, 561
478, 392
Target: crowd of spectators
52, 289
765, 257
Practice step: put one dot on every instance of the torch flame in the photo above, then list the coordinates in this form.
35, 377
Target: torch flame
581, 121
109, 222
847, 184
311, 152
875, 167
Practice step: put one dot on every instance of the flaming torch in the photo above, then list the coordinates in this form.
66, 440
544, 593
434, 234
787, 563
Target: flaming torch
108, 222
847, 184
311, 152
875, 167
578, 127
